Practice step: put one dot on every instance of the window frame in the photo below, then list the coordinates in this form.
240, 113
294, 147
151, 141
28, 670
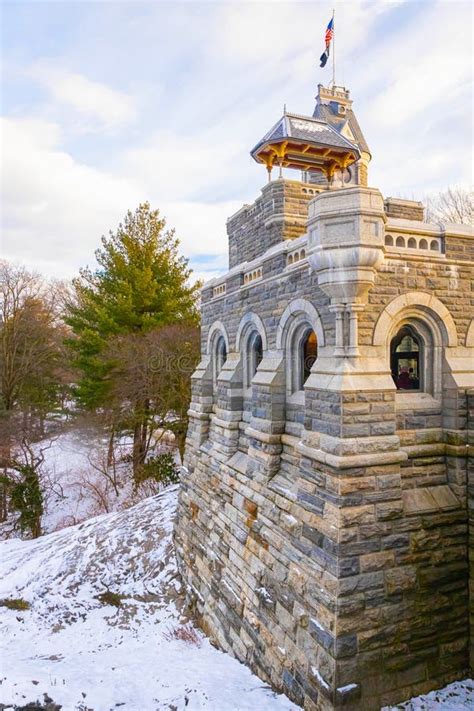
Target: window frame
418, 355
219, 356
297, 336
252, 356
430, 342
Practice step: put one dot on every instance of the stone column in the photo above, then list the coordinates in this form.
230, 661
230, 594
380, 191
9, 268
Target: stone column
338, 310
353, 345
200, 410
227, 412
267, 423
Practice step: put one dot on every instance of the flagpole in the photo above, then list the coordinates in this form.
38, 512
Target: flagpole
333, 50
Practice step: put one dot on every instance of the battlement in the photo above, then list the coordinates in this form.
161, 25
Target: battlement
279, 214
406, 209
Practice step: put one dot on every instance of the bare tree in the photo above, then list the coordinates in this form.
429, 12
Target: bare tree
150, 384
19, 290
32, 354
24, 480
452, 205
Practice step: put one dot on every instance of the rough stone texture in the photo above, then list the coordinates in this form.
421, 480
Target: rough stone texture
278, 214
322, 534
405, 209
470, 494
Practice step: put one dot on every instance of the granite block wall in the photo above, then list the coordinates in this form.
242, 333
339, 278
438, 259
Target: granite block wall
323, 535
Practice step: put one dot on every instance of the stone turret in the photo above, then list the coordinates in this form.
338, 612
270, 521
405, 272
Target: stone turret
334, 106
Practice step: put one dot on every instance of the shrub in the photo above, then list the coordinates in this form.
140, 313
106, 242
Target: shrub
110, 598
161, 468
15, 604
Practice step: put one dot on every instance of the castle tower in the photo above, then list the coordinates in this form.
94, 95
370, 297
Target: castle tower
322, 522
334, 106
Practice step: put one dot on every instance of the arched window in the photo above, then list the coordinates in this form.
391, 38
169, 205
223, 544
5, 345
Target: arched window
254, 356
400, 241
221, 354
406, 359
389, 240
423, 244
308, 354
412, 243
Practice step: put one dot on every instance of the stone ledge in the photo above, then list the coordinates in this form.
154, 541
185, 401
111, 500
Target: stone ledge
430, 499
351, 461
239, 461
199, 415
375, 445
263, 436
225, 424
425, 450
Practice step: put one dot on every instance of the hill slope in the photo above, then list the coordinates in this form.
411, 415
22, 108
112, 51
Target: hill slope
89, 655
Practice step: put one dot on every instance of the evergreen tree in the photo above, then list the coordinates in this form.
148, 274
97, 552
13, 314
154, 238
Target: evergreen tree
142, 283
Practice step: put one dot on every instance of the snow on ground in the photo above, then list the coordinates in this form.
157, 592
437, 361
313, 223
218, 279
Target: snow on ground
91, 656
458, 696
67, 457
86, 654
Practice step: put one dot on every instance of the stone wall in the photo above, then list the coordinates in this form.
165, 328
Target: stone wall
322, 534
470, 493
278, 214
404, 209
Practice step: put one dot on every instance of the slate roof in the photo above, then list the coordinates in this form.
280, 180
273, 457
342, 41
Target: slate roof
325, 112
306, 128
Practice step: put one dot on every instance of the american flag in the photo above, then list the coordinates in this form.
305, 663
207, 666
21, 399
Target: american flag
327, 38
329, 32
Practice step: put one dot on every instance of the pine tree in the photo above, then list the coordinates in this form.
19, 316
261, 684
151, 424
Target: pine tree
142, 283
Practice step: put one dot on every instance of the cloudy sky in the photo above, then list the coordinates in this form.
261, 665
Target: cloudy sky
107, 104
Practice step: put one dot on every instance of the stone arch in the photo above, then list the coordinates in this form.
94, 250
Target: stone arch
217, 329
414, 302
251, 330
247, 321
296, 308
470, 335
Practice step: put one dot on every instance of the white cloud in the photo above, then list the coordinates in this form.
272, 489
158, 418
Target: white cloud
423, 75
56, 209
71, 175
106, 107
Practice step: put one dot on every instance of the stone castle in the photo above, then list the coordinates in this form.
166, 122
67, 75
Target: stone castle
328, 494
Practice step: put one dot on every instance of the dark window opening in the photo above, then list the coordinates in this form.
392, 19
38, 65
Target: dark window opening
405, 361
257, 354
221, 354
309, 353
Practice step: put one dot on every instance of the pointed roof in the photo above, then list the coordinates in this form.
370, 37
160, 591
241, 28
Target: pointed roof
334, 107
306, 128
305, 143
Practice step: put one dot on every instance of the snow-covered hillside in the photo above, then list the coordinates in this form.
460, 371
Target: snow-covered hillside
86, 654
142, 655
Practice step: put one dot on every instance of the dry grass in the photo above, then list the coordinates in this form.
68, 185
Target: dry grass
110, 598
185, 633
